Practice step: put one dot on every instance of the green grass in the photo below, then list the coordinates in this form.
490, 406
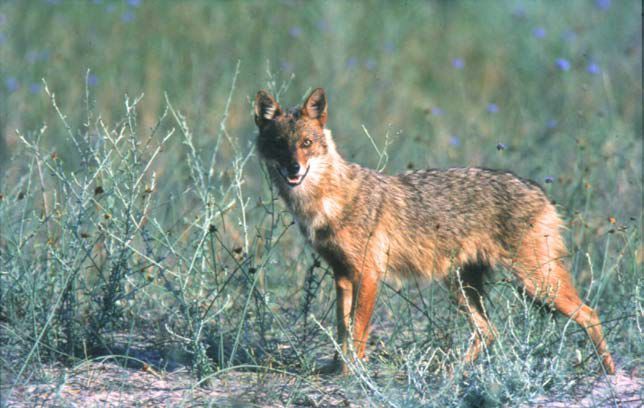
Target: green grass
133, 204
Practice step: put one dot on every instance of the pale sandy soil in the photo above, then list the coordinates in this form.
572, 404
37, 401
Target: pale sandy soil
621, 390
107, 384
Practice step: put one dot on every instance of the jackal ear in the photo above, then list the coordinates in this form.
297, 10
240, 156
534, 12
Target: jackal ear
315, 106
266, 108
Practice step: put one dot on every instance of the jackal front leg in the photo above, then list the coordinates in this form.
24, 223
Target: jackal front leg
344, 301
355, 302
365, 291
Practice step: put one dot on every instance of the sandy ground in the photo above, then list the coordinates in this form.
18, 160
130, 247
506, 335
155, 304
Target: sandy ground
107, 384
621, 390
110, 385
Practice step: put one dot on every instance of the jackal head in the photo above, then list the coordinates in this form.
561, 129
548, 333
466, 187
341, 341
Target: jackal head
293, 143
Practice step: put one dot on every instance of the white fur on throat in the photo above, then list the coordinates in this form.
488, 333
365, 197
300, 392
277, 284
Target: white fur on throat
330, 208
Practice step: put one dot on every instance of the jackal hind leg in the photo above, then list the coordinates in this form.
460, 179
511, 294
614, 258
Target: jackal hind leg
540, 269
553, 285
467, 288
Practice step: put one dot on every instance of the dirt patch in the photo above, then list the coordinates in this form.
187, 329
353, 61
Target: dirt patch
620, 390
108, 384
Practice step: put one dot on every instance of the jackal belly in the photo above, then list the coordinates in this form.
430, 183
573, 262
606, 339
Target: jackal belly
434, 256
399, 254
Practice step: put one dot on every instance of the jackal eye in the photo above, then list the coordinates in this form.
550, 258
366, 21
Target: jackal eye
307, 143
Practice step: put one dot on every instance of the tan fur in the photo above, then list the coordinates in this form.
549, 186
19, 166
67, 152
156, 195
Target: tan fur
453, 224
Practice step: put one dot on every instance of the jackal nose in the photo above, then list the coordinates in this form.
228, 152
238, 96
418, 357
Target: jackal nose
293, 168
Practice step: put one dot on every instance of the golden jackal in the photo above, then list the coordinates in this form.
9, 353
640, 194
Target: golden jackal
454, 224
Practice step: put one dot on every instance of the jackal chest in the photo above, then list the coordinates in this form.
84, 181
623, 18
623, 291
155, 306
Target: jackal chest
317, 221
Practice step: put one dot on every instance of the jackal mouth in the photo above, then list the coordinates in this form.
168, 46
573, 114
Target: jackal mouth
293, 181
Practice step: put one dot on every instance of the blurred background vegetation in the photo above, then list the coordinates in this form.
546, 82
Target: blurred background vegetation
448, 80
550, 90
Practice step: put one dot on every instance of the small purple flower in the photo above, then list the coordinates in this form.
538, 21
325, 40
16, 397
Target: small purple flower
454, 141
492, 108
286, 66
539, 32
458, 63
593, 68
127, 17
2, 38
34, 87
31, 56
34, 56
519, 12
12, 84
552, 123
500, 146
549, 179
110, 8
352, 62
53, 2
562, 64
3, 19
323, 25
389, 47
134, 3
92, 80
295, 31
603, 4
370, 64
97, 1
569, 35
436, 111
